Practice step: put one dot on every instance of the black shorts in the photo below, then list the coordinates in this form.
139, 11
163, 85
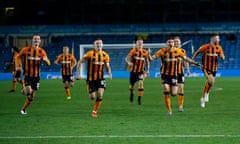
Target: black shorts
170, 80
180, 79
34, 82
208, 72
17, 74
95, 85
134, 77
68, 78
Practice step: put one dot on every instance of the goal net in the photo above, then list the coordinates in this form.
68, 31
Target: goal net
118, 53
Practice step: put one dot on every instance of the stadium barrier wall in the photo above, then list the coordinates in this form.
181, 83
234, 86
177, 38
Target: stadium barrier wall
125, 74
105, 28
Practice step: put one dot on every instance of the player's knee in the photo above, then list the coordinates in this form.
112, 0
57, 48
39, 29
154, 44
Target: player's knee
92, 95
210, 82
180, 90
174, 92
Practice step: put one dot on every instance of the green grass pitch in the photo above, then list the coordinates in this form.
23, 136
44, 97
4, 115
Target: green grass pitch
52, 119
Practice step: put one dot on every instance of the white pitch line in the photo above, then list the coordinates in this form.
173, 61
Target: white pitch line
120, 136
218, 89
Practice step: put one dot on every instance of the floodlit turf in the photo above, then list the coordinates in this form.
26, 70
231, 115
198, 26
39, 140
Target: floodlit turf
52, 119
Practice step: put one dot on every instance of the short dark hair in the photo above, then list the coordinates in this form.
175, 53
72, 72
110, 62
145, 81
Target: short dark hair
214, 34
98, 39
170, 38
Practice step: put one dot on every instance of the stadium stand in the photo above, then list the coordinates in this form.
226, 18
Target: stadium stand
230, 39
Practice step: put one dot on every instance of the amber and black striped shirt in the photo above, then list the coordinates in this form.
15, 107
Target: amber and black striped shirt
180, 65
169, 60
139, 56
67, 61
210, 56
33, 58
96, 63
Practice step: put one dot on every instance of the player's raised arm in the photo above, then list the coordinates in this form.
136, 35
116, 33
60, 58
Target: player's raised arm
151, 58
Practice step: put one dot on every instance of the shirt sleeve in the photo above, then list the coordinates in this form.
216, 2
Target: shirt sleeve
18, 57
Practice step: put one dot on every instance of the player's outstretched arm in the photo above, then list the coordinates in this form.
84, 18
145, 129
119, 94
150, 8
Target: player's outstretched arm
187, 59
79, 65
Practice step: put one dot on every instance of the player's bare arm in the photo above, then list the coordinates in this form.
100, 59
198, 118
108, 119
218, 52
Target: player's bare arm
109, 71
128, 60
151, 58
79, 64
187, 59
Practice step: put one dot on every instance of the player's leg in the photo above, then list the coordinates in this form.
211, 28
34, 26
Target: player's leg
167, 100
14, 82
27, 89
140, 91
98, 102
180, 93
67, 90
91, 89
66, 86
133, 80
166, 92
202, 99
18, 78
28, 102
21, 81
101, 85
209, 83
71, 81
30, 89
180, 97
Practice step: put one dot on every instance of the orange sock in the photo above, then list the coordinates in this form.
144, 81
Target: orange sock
97, 105
67, 91
27, 103
167, 101
14, 85
140, 92
180, 99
